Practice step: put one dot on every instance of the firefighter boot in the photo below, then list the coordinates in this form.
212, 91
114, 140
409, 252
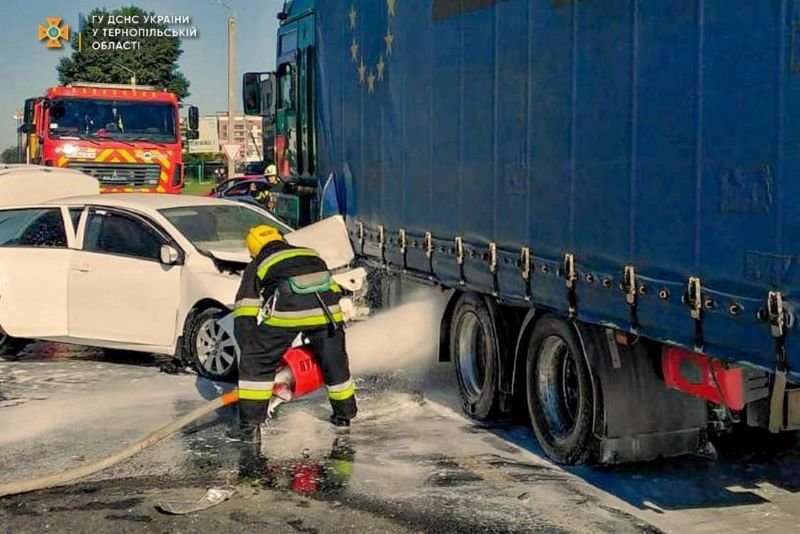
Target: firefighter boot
248, 428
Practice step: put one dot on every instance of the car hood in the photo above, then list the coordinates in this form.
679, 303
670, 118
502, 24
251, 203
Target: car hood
232, 256
328, 237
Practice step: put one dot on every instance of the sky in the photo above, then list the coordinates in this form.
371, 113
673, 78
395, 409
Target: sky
29, 68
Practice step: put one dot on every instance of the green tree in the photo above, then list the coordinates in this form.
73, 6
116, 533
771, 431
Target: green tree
10, 155
155, 62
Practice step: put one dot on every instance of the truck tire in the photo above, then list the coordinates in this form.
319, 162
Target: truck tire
560, 392
209, 348
474, 348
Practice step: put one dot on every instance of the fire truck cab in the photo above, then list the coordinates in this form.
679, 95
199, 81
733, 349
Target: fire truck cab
128, 137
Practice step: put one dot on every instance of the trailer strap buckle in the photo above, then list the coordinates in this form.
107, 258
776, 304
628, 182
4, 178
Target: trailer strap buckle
569, 270
403, 242
428, 244
570, 276
694, 297
776, 314
629, 284
525, 263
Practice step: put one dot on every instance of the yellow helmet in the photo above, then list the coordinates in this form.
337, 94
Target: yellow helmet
259, 236
271, 171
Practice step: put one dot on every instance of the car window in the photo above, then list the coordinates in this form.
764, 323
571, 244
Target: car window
32, 227
113, 233
216, 227
75, 216
224, 186
241, 189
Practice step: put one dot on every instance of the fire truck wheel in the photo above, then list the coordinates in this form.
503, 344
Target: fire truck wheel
559, 392
210, 348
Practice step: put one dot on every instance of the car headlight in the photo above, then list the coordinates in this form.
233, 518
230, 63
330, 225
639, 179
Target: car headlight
69, 149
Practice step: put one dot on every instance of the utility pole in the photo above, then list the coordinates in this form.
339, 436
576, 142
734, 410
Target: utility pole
231, 89
18, 116
231, 81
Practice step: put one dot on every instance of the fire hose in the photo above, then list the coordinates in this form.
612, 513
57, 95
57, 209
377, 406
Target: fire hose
298, 375
67, 477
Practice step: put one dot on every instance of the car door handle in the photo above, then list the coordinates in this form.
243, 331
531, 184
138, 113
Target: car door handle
81, 267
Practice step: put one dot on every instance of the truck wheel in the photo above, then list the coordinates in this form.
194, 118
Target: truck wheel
211, 350
475, 350
559, 392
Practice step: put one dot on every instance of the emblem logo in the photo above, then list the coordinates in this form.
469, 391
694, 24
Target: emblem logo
54, 32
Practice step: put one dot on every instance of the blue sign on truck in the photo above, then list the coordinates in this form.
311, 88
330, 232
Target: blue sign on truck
610, 188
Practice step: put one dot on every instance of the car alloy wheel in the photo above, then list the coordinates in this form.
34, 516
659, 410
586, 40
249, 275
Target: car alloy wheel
214, 348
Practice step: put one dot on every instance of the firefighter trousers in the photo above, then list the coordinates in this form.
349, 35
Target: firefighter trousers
259, 363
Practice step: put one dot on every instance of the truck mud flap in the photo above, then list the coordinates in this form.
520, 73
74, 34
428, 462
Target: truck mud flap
640, 418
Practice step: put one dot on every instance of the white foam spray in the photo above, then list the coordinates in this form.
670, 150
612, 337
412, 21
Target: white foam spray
405, 337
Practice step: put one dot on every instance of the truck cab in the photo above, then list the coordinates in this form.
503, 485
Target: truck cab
128, 137
285, 99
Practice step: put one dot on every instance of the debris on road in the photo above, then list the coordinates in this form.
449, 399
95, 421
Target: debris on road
212, 497
176, 367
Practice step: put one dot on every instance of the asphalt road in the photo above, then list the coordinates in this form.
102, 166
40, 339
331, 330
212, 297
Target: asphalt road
411, 463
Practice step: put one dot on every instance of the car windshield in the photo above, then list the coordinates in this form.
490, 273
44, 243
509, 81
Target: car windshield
219, 227
113, 119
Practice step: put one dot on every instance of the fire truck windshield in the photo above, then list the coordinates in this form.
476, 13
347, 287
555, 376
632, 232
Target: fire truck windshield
112, 119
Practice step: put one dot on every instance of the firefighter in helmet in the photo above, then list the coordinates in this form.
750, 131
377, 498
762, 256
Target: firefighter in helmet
262, 192
271, 174
284, 291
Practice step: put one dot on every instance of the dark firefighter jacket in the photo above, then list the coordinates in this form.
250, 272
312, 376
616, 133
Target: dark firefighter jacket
288, 283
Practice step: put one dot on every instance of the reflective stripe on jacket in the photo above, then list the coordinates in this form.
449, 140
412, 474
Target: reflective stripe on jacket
270, 290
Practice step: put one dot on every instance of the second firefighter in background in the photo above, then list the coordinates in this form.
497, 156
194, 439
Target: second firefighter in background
284, 291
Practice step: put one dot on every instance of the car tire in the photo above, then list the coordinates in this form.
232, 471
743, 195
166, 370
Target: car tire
211, 350
474, 348
11, 346
560, 392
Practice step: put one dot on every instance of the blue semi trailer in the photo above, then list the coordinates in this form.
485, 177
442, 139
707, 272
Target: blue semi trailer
610, 188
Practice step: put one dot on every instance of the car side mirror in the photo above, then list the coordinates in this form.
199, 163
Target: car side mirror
251, 93
28, 117
169, 256
258, 94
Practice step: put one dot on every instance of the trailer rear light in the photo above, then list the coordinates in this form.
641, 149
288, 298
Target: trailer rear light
705, 377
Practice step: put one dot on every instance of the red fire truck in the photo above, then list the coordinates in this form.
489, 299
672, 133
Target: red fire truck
128, 137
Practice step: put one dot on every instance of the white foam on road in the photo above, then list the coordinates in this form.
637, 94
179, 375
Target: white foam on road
121, 395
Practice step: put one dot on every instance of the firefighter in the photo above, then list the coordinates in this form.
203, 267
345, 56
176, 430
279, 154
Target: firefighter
262, 192
284, 291
262, 195
271, 174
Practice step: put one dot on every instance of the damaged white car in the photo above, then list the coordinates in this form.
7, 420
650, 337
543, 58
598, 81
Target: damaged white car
150, 273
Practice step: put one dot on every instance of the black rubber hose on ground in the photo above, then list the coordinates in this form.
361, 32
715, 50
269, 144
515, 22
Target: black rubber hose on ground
67, 477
